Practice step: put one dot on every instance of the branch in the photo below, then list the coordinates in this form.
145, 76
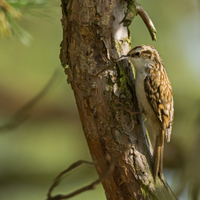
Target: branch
92, 35
146, 19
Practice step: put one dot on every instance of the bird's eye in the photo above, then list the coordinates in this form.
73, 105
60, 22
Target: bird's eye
137, 53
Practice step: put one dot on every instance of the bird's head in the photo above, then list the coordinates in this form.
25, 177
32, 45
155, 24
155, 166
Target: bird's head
142, 56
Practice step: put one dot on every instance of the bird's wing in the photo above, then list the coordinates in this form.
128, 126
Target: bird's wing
159, 94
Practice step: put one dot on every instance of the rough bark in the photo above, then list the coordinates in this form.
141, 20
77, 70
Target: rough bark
93, 36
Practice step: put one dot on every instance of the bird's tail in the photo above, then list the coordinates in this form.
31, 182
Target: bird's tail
158, 155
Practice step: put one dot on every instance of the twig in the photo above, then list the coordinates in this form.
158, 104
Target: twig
83, 189
22, 114
149, 24
61, 175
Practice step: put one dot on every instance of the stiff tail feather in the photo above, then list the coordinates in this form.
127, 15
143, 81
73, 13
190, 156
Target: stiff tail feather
158, 156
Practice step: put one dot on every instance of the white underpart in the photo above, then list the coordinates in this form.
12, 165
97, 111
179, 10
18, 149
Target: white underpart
151, 122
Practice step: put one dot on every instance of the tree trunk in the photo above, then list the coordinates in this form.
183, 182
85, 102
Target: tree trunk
93, 37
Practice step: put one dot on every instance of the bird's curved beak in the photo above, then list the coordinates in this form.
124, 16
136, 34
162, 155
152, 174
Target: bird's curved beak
122, 58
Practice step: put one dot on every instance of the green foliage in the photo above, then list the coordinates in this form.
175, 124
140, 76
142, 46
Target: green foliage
12, 11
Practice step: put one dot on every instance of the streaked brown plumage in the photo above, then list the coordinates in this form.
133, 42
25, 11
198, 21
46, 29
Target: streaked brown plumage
154, 94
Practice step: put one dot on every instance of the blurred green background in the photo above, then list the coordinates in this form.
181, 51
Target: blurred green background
35, 152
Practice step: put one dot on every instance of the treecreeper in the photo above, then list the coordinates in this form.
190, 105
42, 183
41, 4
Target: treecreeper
155, 98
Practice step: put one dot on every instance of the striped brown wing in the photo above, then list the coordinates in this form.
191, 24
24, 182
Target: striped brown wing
159, 94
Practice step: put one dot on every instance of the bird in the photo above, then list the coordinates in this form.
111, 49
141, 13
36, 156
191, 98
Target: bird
155, 99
